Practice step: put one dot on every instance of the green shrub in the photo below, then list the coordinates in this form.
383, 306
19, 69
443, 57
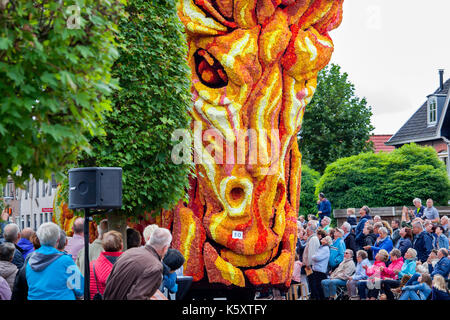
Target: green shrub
386, 179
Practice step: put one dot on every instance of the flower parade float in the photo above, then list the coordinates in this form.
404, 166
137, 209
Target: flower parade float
254, 70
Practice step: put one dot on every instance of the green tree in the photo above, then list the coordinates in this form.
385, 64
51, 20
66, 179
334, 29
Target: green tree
336, 123
308, 199
386, 179
55, 61
153, 101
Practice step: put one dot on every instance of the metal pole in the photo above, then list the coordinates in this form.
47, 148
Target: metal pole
87, 217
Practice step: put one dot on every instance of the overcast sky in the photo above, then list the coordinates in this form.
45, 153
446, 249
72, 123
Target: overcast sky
392, 50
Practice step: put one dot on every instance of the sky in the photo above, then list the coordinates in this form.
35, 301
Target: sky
392, 50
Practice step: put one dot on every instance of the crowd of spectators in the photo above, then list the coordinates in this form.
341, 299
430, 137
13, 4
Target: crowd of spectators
372, 259
48, 265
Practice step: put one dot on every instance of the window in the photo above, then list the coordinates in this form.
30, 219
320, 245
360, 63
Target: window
9, 189
432, 111
46, 217
44, 188
41, 218
23, 223
37, 188
28, 221
35, 222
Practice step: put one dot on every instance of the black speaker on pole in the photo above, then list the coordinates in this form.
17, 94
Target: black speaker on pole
93, 188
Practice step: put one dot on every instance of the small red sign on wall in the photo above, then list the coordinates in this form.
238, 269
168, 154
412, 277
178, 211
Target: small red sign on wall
47, 209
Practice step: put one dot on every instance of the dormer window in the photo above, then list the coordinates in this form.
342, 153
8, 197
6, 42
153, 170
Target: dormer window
432, 111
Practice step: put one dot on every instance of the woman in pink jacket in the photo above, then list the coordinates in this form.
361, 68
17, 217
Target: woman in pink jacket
376, 273
101, 268
395, 267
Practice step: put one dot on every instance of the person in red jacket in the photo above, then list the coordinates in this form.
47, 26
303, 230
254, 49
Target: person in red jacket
113, 245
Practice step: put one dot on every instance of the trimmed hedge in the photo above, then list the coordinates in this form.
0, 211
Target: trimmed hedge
386, 179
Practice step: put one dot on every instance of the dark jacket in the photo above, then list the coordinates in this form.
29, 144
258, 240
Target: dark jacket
20, 289
403, 245
423, 244
359, 230
350, 243
440, 295
370, 240
352, 220
418, 214
395, 236
17, 258
136, 275
325, 207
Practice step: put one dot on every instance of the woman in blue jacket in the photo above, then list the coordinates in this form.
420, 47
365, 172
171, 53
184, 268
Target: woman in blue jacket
419, 291
337, 249
383, 242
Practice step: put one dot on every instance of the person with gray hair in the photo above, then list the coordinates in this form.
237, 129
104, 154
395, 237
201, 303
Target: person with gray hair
325, 223
383, 242
148, 231
137, 273
311, 247
418, 211
360, 274
7, 269
50, 273
444, 225
95, 248
62, 241
11, 234
423, 243
349, 238
320, 266
340, 276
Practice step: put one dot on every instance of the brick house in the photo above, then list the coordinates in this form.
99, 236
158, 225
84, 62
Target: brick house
379, 142
430, 124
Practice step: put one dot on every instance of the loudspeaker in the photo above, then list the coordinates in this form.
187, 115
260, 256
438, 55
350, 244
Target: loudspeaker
95, 188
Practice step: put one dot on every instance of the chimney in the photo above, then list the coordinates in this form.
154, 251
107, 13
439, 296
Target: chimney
441, 79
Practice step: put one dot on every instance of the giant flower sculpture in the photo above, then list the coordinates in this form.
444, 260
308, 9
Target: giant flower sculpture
254, 69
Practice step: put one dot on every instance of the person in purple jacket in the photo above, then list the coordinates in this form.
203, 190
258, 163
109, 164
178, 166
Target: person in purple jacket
25, 243
5, 290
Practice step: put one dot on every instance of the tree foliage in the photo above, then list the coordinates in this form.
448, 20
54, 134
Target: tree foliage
153, 101
308, 199
336, 123
55, 61
386, 179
